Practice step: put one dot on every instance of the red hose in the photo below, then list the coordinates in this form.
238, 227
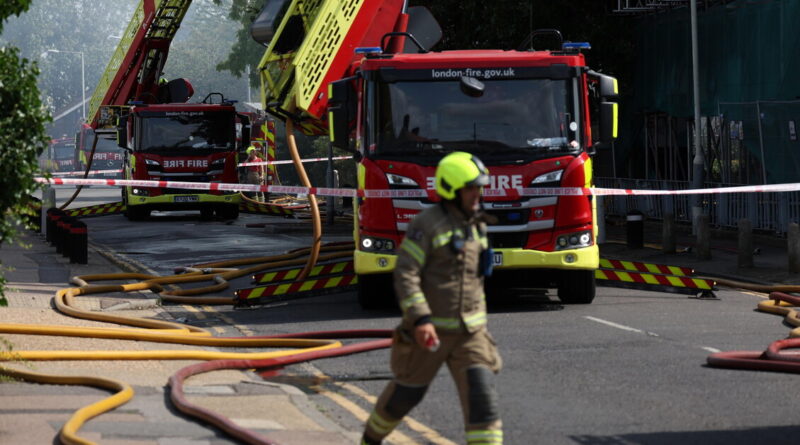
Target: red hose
243, 434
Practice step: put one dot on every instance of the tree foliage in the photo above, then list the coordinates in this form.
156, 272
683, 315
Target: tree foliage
23, 137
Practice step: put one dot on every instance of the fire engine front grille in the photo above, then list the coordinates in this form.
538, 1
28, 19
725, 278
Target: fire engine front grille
508, 240
177, 191
511, 217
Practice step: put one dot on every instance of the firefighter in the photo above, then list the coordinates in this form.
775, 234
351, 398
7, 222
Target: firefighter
438, 281
254, 172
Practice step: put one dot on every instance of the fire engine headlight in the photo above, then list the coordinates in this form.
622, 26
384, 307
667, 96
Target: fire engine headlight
374, 244
552, 177
575, 240
151, 162
140, 192
397, 181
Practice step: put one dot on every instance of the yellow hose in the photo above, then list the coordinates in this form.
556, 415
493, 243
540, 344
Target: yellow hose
312, 200
68, 434
157, 331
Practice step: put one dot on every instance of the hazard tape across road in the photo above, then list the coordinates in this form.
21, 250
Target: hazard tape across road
80, 173
412, 193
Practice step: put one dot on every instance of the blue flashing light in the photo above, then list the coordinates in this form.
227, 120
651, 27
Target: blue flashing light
575, 46
369, 50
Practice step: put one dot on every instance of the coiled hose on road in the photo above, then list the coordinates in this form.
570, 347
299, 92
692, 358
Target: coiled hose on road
311, 345
779, 303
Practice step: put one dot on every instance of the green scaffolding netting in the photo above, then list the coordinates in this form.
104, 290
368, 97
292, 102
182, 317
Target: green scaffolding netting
748, 66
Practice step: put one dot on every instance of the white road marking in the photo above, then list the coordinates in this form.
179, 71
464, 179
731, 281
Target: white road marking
616, 325
710, 349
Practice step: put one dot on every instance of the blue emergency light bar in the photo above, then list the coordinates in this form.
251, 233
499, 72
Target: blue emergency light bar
369, 50
567, 46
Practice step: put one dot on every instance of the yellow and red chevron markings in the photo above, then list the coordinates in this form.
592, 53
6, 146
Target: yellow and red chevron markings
606, 263
97, 210
652, 276
291, 274
270, 209
323, 279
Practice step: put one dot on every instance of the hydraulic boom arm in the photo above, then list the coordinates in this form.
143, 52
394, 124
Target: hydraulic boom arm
312, 44
134, 69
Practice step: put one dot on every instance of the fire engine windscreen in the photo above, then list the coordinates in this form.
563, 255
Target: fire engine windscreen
63, 150
529, 117
195, 132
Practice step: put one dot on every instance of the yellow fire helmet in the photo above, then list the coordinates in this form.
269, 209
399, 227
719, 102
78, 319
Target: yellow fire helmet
251, 148
458, 170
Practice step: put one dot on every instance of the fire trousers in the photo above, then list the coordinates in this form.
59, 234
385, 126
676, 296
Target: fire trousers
473, 361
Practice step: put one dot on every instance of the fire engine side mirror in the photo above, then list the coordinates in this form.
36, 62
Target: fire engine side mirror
341, 110
246, 129
609, 118
608, 87
122, 132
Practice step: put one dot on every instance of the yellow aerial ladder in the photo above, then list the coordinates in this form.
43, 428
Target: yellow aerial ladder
310, 45
134, 69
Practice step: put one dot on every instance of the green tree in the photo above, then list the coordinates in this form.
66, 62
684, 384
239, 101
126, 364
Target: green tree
23, 137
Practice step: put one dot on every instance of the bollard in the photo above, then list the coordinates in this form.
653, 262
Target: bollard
745, 251
703, 238
601, 219
53, 216
62, 235
79, 240
668, 242
49, 224
635, 229
793, 244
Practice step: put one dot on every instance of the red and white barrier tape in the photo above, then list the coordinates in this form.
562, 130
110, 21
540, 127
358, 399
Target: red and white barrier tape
412, 193
80, 173
247, 164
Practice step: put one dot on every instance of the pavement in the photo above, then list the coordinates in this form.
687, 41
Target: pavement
34, 413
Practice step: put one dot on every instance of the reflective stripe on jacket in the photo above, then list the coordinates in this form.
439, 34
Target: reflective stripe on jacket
437, 272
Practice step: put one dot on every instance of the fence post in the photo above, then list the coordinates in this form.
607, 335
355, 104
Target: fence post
703, 237
668, 243
793, 247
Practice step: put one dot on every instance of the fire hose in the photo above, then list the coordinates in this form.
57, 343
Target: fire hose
772, 359
314, 345
85, 175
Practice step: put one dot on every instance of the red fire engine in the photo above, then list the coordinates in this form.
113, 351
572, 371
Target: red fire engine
533, 117
164, 137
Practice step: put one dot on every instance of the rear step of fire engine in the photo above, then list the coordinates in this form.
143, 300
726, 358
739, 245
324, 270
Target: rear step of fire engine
323, 279
653, 277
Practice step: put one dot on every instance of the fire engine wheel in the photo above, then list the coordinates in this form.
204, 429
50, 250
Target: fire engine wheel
137, 213
207, 213
230, 211
375, 291
576, 287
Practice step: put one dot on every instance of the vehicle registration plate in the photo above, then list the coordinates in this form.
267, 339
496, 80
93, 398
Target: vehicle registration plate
190, 198
497, 259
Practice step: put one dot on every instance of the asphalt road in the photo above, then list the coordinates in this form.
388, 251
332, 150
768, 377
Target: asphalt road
627, 369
